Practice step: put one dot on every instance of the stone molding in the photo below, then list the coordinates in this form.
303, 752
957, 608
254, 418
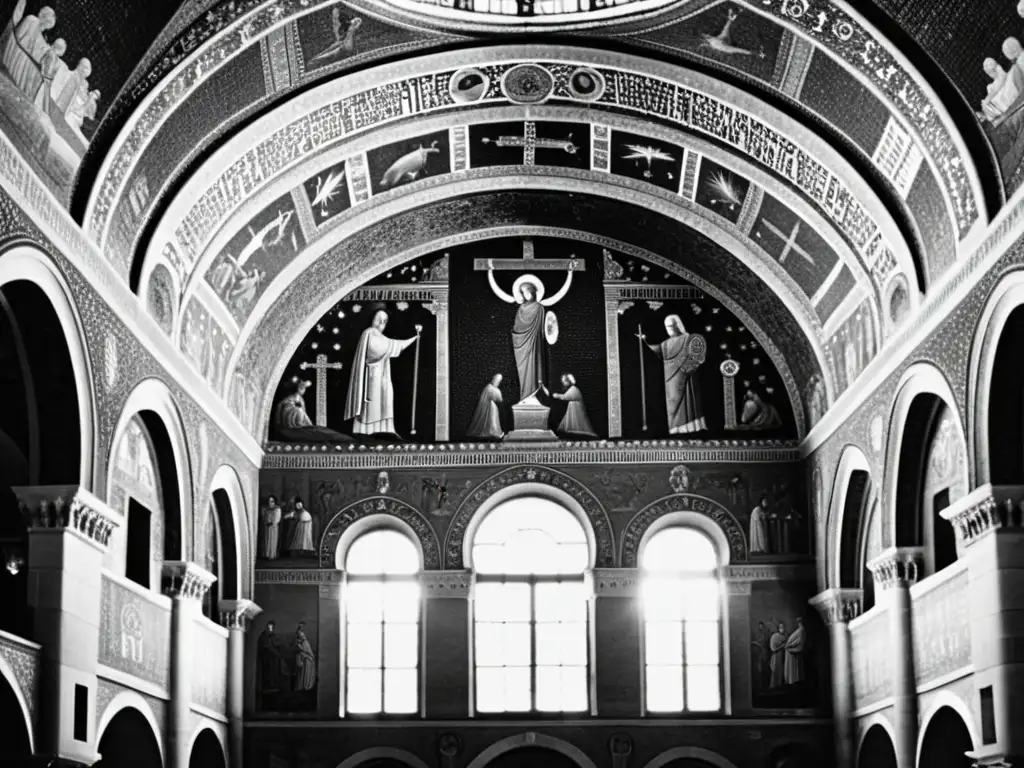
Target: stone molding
616, 582
441, 584
986, 509
838, 606
236, 614
739, 588
299, 576
46, 507
768, 572
897, 566
186, 580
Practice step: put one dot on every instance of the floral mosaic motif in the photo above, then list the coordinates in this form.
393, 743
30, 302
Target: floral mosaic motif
160, 298
599, 520
689, 502
380, 505
25, 665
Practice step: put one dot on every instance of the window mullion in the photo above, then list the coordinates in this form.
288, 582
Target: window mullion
533, 644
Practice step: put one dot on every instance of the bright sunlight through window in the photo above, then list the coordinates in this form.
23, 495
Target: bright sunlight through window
382, 625
682, 630
530, 609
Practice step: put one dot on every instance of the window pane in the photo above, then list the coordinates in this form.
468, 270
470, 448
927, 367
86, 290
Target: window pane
489, 601
490, 644
665, 689
702, 689
531, 551
549, 689
664, 642
574, 689
516, 602
363, 601
573, 558
574, 643
701, 598
490, 689
382, 551
400, 692
549, 645
363, 691
516, 640
401, 602
702, 642
663, 598
679, 549
563, 601
363, 645
489, 558
517, 689
401, 643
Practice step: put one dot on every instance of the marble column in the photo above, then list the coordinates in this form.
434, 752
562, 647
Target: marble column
235, 615
838, 607
736, 664
69, 531
330, 594
895, 571
447, 634
615, 620
186, 584
989, 525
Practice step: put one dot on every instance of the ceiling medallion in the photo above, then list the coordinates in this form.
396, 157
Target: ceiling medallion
527, 84
469, 85
586, 84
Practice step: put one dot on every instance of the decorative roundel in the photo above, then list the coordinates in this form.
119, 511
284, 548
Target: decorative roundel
159, 298
469, 85
586, 84
527, 84
729, 368
110, 360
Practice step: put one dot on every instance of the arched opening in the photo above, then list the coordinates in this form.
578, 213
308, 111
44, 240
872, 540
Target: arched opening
17, 743
128, 742
383, 762
876, 751
931, 476
946, 741
868, 548
167, 471
220, 553
206, 751
689, 762
532, 757
854, 514
1006, 405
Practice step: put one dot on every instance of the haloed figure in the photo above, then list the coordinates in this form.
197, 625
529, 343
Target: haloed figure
575, 421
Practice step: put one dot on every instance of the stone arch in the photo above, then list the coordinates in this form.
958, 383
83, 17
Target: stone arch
876, 748
29, 264
531, 739
379, 753
1001, 310
946, 705
852, 486
235, 536
207, 747
634, 533
18, 697
412, 519
689, 753
921, 380
526, 480
130, 700
368, 524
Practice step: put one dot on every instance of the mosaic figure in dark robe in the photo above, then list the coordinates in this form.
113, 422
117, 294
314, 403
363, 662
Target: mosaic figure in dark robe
682, 354
486, 421
292, 422
575, 422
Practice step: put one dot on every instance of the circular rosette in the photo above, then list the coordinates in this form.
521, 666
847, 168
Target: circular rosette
551, 328
527, 84
586, 84
697, 346
468, 85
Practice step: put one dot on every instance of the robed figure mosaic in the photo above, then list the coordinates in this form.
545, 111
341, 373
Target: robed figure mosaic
681, 354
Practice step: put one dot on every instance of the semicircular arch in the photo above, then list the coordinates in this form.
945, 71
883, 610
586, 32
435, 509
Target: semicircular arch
356, 518
7, 673
130, 700
721, 525
851, 461
531, 739
226, 479
689, 753
382, 753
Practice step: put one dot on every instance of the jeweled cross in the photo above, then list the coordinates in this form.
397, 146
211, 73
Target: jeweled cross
529, 263
321, 366
530, 143
790, 243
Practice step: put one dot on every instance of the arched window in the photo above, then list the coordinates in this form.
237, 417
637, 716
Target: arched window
212, 560
382, 624
531, 609
682, 603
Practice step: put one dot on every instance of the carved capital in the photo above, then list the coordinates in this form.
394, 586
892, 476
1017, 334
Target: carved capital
186, 580
738, 588
616, 582
986, 509
992, 761
67, 507
897, 566
838, 606
456, 583
236, 614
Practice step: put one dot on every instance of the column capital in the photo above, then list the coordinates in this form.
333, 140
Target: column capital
236, 614
616, 582
897, 566
458, 583
67, 507
986, 509
838, 606
992, 761
186, 580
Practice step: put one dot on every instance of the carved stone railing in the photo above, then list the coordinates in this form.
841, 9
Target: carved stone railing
985, 509
838, 606
186, 580
236, 614
67, 507
897, 566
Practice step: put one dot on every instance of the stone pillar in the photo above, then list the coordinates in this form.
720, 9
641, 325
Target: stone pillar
838, 607
447, 634
736, 650
235, 615
615, 629
988, 524
895, 571
329, 651
186, 584
69, 530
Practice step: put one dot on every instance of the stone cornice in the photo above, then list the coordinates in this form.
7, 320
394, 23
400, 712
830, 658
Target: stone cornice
616, 582
186, 580
236, 614
768, 572
838, 606
299, 576
897, 566
440, 584
67, 507
986, 509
